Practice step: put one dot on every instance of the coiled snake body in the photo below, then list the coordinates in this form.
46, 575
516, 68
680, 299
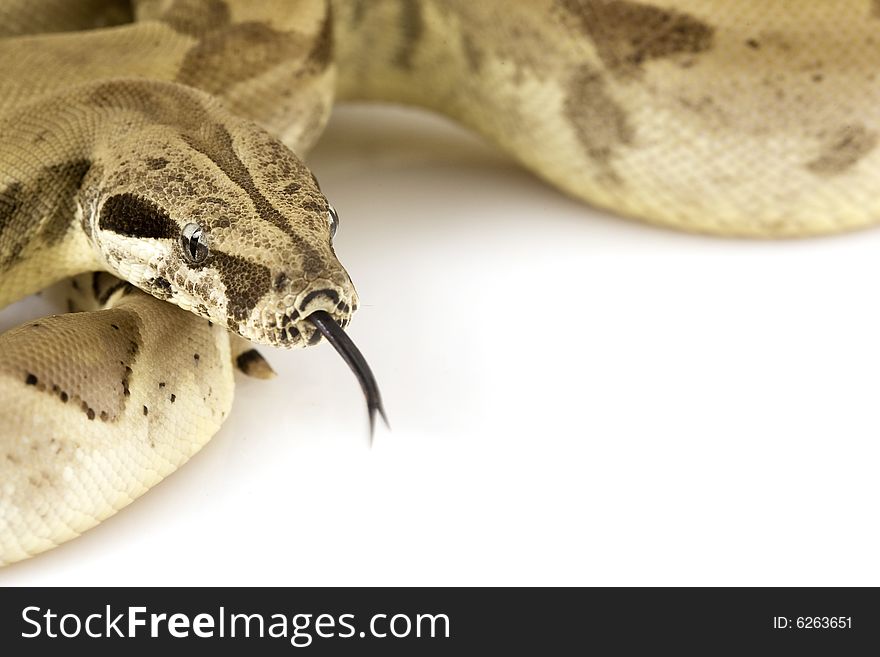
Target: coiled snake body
161, 143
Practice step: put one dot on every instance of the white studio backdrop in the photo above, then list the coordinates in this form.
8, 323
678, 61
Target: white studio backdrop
575, 399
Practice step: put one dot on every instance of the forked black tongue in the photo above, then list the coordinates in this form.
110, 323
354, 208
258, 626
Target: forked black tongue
356, 361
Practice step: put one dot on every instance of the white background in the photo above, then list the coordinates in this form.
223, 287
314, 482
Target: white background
575, 399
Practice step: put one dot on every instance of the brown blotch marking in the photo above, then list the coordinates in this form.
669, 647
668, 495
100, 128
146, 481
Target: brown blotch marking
146, 410
172, 398
321, 54
132, 215
600, 124
30, 380
412, 27
473, 55
314, 206
10, 203
843, 149
246, 282
90, 413
359, 11
156, 163
164, 105
41, 208
67, 178
628, 34
239, 52
195, 17
875, 9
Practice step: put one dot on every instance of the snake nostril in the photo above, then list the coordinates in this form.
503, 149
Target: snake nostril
333, 295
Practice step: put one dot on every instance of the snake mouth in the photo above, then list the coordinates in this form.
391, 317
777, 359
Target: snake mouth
321, 312
324, 313
327, 326
281, 321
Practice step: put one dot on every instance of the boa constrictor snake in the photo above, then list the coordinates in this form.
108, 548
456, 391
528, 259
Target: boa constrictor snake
160, 141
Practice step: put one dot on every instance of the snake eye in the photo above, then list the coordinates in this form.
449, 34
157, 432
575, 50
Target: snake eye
332, 219
194, 243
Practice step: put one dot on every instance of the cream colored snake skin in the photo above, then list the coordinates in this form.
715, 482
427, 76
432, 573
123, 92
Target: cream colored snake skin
161, 142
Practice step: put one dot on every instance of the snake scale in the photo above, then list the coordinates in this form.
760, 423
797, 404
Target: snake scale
158, 143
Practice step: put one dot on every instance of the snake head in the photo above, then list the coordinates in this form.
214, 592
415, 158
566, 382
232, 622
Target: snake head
212, 213
224, 221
